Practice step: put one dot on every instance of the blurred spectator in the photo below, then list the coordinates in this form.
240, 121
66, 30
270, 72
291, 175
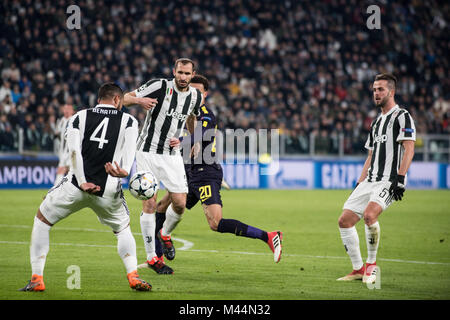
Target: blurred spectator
307, 66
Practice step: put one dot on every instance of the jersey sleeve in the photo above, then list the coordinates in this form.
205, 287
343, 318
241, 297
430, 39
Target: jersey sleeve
369, 141
196, 110
207, 119
73, 136
131, 135
407, 128
148, 88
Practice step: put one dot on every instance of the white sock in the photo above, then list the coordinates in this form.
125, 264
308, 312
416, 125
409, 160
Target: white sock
350, 239
40, 243
126, 247
172, 219
372, 241
148, 225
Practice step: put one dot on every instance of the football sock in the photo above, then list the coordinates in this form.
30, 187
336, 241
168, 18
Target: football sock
126, 247
241, 229
160, 217
172, 219
372, 241
148, 225
40, 243
351, 243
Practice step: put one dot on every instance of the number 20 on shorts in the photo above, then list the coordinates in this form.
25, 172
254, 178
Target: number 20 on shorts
205, 192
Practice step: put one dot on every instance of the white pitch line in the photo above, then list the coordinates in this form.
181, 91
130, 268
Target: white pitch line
187, 245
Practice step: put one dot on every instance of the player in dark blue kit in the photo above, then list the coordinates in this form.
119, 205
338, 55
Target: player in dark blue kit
205, 179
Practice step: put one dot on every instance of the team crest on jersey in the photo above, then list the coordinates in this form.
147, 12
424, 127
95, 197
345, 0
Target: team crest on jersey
169, 92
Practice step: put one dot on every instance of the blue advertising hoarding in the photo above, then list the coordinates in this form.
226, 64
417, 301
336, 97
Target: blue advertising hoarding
40, 172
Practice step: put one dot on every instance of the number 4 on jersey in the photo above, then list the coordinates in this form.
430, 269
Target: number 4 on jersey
103, 126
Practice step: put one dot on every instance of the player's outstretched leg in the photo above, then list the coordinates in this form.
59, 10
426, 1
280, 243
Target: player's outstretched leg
126, 247
40, 243
372, 232
273, 239
350, 239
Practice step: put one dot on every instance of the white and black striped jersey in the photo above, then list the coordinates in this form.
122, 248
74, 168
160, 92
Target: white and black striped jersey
61, 126
385, 137
97, 136
167, 118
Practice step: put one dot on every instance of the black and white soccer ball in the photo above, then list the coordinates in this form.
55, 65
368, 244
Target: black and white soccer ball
143, 185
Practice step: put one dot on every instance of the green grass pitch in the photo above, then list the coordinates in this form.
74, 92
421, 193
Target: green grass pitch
414, 252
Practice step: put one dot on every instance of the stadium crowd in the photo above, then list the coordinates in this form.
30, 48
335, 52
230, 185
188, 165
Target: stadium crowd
303, 67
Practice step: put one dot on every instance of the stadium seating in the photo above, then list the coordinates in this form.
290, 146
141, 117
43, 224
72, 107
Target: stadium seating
303, 67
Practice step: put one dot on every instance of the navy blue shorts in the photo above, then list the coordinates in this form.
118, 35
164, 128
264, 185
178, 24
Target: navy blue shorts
204, 186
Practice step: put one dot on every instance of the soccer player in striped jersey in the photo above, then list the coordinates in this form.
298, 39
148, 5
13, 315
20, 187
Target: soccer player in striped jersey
171, 104
205, 178
97, 138
390, 147
63, 150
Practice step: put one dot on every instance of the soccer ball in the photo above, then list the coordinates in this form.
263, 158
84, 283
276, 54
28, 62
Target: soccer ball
143, 185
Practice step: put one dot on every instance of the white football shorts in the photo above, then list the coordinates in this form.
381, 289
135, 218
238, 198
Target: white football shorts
366, 192
169, 169
64, 199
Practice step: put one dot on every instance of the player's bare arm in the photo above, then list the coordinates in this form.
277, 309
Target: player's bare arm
407, 157
365, 167
191, 123
146, 103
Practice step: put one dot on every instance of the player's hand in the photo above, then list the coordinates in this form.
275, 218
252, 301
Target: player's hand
147, 103
397, 187
116, 171
174, 142
89, 187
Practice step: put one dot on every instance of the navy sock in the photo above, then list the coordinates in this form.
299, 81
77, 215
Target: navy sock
160, 218
241, 229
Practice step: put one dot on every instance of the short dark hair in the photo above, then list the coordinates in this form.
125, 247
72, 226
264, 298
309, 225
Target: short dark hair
198, 78
184, 61
389, 77
109, 90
